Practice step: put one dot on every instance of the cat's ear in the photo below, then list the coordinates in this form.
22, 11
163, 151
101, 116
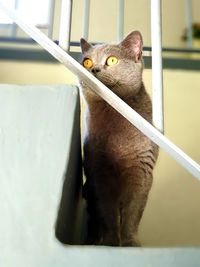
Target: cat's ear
85, 46
133, 42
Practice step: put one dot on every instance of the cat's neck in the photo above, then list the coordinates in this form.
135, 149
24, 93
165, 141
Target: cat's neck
96, 103
100, 113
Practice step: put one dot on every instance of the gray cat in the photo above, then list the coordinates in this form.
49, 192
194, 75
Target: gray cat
118, 158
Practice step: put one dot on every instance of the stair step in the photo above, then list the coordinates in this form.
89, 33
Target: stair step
40, 187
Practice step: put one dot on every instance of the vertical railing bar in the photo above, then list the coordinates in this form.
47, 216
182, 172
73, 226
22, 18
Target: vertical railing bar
65, 24
51, 18
14, 26
157, 73
120, 20
86, 19
188, 16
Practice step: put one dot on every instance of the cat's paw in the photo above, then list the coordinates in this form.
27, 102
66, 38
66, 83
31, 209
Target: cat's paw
133, 242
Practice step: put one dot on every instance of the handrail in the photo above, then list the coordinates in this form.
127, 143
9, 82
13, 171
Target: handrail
126, 111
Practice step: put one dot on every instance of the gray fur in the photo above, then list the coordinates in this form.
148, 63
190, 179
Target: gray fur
118, 158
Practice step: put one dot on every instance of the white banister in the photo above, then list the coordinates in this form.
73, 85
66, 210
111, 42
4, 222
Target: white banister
51, 18
86, 19
65, 24
157, 74
188, 15
126, 111
120, 20
14, 26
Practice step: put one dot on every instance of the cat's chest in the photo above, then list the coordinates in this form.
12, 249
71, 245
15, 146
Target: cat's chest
112, 133
108, 124
109, 131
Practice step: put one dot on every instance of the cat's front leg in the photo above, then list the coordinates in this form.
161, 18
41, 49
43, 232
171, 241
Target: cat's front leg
110, 227
103, 224
129, 229
130, 218
132, 207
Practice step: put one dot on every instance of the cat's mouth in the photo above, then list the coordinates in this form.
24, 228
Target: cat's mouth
107, 81
110, 85
116, 84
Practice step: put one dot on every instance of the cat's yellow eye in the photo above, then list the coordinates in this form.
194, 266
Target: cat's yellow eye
87, 63
112, 60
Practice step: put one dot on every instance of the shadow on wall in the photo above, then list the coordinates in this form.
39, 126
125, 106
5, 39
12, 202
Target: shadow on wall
71, 220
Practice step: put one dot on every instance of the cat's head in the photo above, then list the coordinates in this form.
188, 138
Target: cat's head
118, 66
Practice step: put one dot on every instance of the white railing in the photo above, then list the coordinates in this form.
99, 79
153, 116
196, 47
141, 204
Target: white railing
188, 16
65, 24
51, 18
120, 20
157, 70
131, 115
86, 19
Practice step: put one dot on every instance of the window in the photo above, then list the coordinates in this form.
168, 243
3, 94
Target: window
36, 12
3, 18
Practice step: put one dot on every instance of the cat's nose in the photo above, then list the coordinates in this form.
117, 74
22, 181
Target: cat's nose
95, 70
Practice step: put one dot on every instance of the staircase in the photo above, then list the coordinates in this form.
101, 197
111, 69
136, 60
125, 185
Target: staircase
40, 187
42, 212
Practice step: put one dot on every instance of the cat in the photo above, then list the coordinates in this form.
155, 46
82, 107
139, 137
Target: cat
118, 158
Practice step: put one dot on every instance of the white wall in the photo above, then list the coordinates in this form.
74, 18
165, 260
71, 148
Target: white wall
172, 216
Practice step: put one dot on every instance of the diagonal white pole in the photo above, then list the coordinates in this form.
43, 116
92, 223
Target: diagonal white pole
126, 111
